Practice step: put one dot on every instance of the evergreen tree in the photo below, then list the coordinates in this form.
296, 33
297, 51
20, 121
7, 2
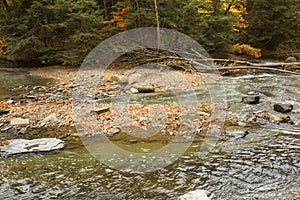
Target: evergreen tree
52, 31
271, 23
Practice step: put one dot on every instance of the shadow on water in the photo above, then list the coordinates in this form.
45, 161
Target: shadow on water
265, 165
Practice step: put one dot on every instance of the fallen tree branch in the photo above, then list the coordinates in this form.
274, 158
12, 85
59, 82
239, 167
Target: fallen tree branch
273, 64
258, 68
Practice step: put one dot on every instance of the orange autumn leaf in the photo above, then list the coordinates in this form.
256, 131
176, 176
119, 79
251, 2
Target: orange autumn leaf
119, 18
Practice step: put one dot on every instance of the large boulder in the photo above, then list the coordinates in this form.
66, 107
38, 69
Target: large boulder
195, 195
290, 59
21, 146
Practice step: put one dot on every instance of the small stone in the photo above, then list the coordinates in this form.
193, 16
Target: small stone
4, 112
73, 86
30, 96
113, 131
251, 99
204, 113
195, 195
36, 87
144, 88
283, 108
19, 122
242, 124
171, 133
134, 90
60, 90
23, 131
142, 119
5, 129
252, 93
50, 118
100, 110
10, 101
123, 81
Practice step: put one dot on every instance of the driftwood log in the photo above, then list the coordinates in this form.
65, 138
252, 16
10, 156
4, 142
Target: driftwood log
195, 61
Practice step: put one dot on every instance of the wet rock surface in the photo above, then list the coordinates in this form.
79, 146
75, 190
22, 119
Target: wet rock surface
4, 112
19, 122
283, 108
195, 195
23, 146
251, 99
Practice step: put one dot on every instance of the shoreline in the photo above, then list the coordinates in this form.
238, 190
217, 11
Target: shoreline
51, 106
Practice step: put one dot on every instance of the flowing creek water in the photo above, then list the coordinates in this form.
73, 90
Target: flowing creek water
264, 165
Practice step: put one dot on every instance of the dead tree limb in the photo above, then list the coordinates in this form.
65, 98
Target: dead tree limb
259, 68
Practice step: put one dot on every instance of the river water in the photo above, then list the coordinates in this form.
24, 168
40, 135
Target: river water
264, 165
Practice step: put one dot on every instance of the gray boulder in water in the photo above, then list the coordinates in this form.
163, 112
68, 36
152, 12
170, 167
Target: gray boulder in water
22, 146
283, 108
195, 195
251, 99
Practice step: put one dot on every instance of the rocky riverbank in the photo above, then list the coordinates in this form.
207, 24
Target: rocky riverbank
51, 105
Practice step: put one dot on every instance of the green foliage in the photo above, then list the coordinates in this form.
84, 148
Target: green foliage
212, 29
272, 22
62, 31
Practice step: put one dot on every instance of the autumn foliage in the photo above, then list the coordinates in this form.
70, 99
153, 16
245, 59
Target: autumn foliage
247, 49
2, 46
119, 18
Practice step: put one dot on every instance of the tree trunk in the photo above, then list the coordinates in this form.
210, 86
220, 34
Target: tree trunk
157, 23
138, 16
105, 9
216, 4
229, 6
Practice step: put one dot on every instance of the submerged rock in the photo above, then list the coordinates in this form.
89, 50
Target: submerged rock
251, 99
22, 146
236, 132
264, 117
283, 108
195, 195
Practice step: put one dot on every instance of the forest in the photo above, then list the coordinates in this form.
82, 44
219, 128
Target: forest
91, 108
65, 31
